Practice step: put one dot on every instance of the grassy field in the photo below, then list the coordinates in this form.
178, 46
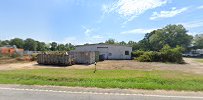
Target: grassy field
199, 60
133, 79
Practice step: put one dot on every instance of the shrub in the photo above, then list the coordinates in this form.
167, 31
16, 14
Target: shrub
166, 54
146, 57
137, 53
169, 54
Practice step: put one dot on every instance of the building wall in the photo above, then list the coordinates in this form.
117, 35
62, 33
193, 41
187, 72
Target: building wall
109, 51
10, 51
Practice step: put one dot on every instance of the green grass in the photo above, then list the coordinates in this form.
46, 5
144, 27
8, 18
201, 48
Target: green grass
199, 60
134, 79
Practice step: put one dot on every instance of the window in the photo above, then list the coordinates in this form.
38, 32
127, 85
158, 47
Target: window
126, 52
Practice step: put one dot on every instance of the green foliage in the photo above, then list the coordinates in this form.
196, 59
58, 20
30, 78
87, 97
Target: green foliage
146, 57
53, 46
172, 35
144, 45
134, 45
61, 47
110, 41
30, 44
1, 43
137, 53
198, 41
33, 45
166, 54
69, 47
41, 46
169, 54
5, 42
19, 43
133, 79
122, 43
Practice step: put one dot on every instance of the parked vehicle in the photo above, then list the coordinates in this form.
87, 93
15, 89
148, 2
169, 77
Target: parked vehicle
193, 53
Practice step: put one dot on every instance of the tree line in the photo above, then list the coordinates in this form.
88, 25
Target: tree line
33, 45
171, 35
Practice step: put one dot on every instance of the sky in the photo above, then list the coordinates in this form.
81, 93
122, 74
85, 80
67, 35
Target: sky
94, 21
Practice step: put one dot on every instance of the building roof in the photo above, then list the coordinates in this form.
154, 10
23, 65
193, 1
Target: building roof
103, 44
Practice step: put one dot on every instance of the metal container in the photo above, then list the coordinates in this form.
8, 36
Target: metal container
83, 57
54, 59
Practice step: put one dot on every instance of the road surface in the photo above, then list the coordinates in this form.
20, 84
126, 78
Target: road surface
55, 93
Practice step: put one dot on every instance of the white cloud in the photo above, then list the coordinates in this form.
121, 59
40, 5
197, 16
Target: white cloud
165, 14
132, 8
88, 31
138, 31
192, 24
200, 7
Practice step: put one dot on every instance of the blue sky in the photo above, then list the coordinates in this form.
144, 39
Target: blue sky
93, 21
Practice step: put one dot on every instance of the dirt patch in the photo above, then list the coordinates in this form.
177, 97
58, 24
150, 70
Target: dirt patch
191, 66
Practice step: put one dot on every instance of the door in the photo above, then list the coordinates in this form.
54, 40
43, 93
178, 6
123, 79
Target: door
103, 51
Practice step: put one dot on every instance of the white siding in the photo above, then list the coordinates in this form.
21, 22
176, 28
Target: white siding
110, 51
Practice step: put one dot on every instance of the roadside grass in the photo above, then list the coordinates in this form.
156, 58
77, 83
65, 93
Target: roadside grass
199, 60
133, 79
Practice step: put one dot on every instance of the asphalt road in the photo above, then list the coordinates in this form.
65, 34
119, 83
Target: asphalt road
16, 93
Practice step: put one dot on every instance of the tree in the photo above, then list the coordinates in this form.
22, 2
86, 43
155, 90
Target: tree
30, 44
61, 47
18, 42
53, 46
110, 41
122, 43
133, 44
1, 43
172, 35
144, 45
41, 46
69, 46
5, 42
198, 41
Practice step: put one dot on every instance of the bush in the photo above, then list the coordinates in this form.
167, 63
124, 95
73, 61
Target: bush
137, 53
166, 54
169, 54
146, 57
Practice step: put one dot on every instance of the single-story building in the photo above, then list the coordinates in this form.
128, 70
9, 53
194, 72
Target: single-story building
10, 50
108, 51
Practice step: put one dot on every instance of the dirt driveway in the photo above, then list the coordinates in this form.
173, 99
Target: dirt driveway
192, 66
